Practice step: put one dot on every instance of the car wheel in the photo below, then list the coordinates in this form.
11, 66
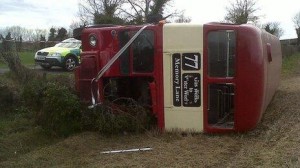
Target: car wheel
46, 66
70, 63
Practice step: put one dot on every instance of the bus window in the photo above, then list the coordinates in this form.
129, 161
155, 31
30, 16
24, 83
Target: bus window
221, 105
221, 53
143, 52
124, 58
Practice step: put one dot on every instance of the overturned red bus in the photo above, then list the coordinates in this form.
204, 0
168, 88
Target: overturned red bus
201, 78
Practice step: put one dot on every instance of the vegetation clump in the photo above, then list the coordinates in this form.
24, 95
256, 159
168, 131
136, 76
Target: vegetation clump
114, 118
60, 112
9, 95
56, 108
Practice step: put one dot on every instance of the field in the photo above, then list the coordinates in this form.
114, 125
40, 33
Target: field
274, 143
26, 57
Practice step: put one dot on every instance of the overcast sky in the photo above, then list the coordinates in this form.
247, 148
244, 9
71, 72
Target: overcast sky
61, 13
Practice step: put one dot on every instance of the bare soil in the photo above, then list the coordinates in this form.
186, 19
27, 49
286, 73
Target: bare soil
274, 143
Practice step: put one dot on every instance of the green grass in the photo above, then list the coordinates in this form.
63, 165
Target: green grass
27, 59
2, 64
290, 64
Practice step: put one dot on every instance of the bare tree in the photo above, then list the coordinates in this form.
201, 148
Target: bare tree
28, 35
125, 11
37, 33
75, 25
141, 11
16, 31
241, 12
91, 10
183, 19
274, 28
296, 20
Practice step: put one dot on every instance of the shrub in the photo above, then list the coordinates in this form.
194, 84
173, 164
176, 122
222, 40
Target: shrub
33, 93
6, 97
67, 80
60, 113
58, 110
110, 118
9, 96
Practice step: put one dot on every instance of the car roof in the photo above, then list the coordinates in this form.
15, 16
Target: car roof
71, 40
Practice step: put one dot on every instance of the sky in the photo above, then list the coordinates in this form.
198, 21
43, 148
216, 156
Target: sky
38, 13
61, 13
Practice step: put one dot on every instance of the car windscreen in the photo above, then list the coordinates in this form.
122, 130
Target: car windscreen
68, 45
